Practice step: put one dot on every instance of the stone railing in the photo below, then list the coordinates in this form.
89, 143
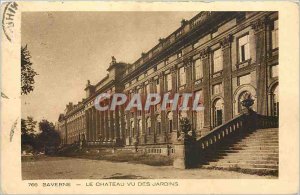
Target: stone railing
239, 124
266, 121
100, 143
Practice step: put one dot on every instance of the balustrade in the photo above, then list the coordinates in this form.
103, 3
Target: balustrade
240, 123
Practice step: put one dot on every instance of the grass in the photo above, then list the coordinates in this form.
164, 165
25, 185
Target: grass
36, 158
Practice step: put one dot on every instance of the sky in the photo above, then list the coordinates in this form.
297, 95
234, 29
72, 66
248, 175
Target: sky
69, 48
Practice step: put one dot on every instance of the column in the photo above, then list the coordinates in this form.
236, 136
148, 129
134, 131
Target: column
136, 131
175, 126
259, 27
189, 77
92, 124
204, 54
227, 77
101, 116
117, 125
97, 124
111, 125
163, 89
87, 119
152, 113
106, 126
122, 119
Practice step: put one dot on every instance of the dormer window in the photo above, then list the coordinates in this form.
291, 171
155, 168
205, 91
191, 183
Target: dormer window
167, 61
179, 55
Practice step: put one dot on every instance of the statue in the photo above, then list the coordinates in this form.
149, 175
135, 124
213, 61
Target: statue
113, 60
184, 22
186, 129
247, 102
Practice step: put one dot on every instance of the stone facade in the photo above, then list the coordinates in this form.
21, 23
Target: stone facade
221, 55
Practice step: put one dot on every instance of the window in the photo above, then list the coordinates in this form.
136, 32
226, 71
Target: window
131, 133
275, 102
147, 89
140, 127
148, 123
198, 69
275, 35
139, 92
217, 88
157, 107
170, 119
157, 85
182, 76
244, 49
158, 124
169, 82
274, 71
218, 64
218, 112
245, 79
199, 113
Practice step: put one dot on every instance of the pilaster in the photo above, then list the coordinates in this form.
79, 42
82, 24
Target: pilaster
259, 27
227, 78
204, 55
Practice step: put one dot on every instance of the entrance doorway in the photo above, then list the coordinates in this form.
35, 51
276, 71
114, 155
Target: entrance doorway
218, 112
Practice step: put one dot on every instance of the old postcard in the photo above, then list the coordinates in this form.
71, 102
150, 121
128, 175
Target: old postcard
149, 97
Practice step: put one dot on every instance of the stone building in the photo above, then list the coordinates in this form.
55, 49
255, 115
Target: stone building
219, 55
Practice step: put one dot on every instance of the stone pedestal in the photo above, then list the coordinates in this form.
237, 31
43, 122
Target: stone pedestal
180, 151
174, 137
179, 156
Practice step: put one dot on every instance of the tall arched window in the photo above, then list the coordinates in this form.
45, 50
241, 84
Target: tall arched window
158, 124
125, 130
218, 112
170, 121
199, 113
275, 102
140, 127
131, 129
148, 125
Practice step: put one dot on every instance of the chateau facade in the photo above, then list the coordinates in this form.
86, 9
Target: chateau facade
220, 55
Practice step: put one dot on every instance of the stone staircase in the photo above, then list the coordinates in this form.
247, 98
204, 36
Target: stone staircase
254, 152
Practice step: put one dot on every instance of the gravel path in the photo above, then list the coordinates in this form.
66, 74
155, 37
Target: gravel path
73, 168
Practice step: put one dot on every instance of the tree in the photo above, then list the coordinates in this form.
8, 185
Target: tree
27, 72
48, 136
28, 135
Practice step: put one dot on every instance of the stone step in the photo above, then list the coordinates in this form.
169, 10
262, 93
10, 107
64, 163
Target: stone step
256, 141
247, 152
243, 165
243, 156
261, 137
247, 161
258, 151
247, 145
250, 149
